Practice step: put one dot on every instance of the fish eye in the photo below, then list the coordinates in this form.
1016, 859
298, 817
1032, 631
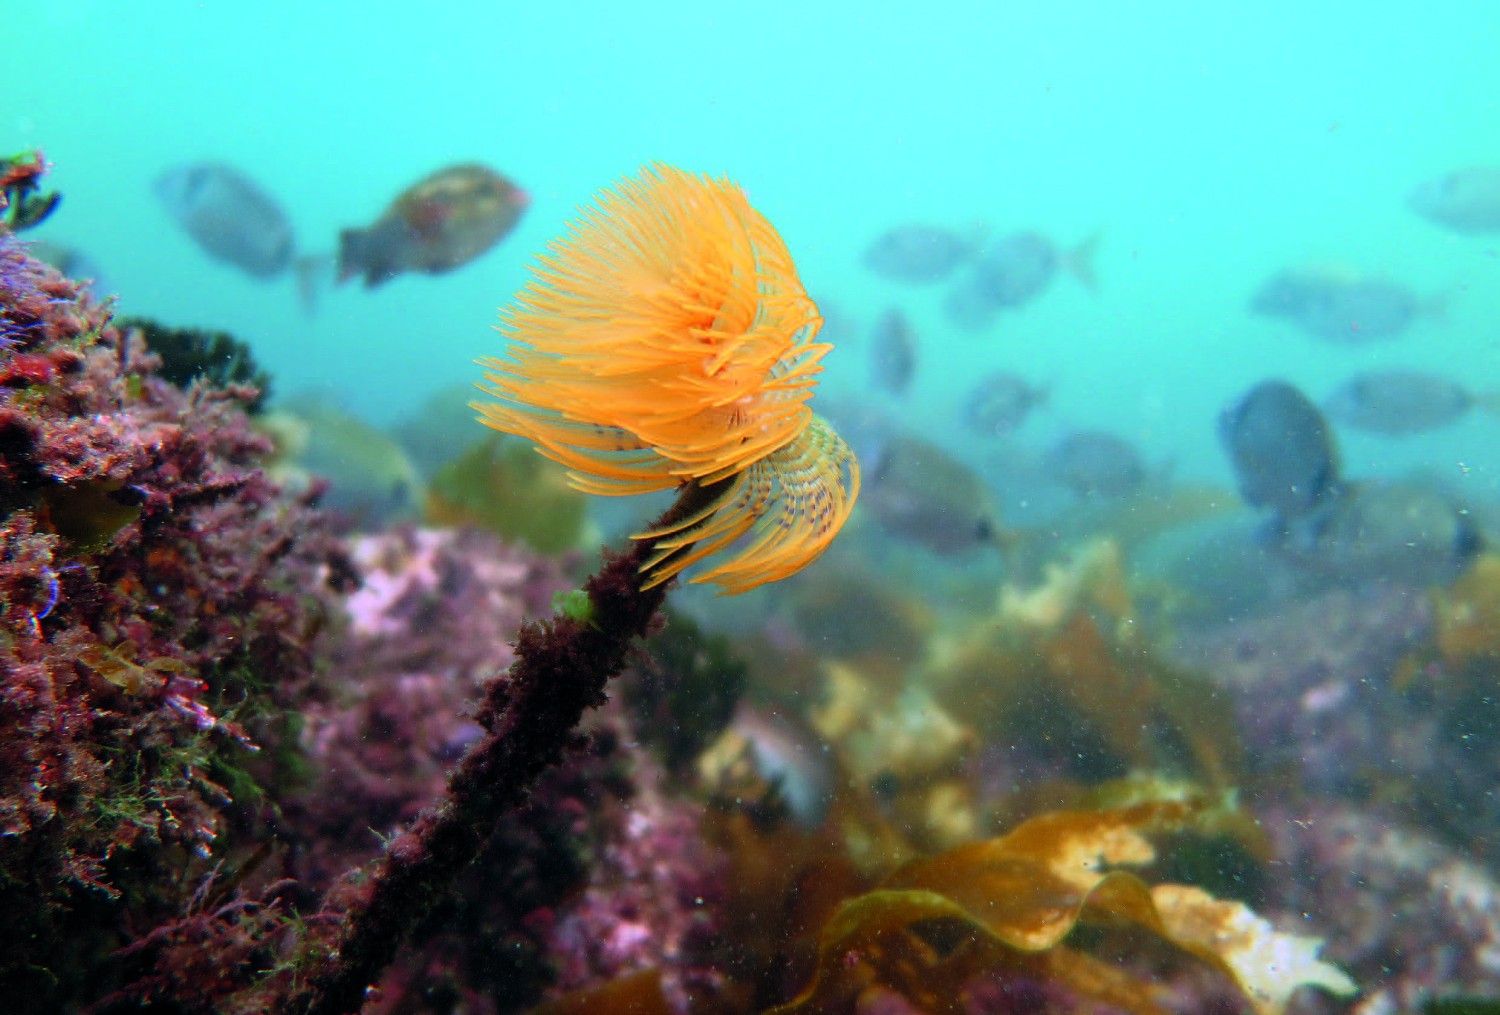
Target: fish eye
983, 531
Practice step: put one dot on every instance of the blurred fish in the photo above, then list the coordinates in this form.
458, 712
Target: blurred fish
1465, 200
440, 223
893, 353
784, 754
920, 493
1281, 450
371, 481
1013, 271
1399, 402
1000, 403
918, 253
229, 216
1340, 305
1389, 531
1092, 463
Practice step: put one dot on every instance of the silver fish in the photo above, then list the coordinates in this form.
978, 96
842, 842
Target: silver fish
1013, 271
1386, 531
1340, 306
1092, 463
918, 253
1000, 403
923, 495
229, 216
1397, 402
1465, 200
791, 756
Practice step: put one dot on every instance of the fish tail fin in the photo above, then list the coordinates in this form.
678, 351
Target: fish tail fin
1079, 261
312, 271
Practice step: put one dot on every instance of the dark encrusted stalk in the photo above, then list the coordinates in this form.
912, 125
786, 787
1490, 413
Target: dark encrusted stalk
529, 714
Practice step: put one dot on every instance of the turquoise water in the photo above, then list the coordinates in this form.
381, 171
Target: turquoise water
1210, 147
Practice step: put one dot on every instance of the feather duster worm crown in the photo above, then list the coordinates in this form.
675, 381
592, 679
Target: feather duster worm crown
665, 340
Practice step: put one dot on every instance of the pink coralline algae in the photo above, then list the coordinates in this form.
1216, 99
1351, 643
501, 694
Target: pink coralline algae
1374, 850
652, 902
597, 875
1412, 919
429, 624
159, 605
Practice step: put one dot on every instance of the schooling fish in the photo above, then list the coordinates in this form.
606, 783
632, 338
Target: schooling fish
1013, 271
1465, 200
1281, 450
918, 253
893, 354
1000, 403
229, 216
440, 223
1390, 531
1400, 402
1341, 306
1092, 463
920, 493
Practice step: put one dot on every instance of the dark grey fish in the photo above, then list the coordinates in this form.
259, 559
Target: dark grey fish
1013, 271
918, 253
923, 495
1397, 402
1000, 403
1386, 531
1339, 306
1465, 200
229, 216
1281, 449
1092, 463
893, 352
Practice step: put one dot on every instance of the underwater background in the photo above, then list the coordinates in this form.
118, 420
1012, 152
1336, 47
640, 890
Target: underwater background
1124, 641
1210, 145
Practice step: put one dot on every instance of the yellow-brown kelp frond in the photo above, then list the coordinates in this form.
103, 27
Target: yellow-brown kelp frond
667, 340
1022, 895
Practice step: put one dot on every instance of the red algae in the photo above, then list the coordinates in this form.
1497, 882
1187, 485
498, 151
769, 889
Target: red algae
152, 584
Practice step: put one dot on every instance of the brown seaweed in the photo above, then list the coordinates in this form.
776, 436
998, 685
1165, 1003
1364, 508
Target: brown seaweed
1013, 903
